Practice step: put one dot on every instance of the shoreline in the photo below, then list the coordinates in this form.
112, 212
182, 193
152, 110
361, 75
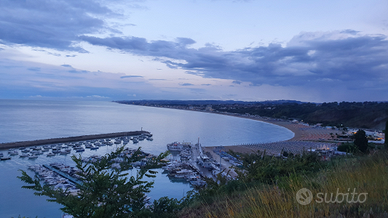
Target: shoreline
301, 131
305, 136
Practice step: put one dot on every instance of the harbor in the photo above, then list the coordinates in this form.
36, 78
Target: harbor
187, 163
68, 178
87, 118
72, 139
67, 145
192, 164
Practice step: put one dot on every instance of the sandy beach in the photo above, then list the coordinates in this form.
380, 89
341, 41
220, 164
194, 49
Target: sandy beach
304, 137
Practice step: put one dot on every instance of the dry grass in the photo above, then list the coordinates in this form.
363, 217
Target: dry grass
362, 174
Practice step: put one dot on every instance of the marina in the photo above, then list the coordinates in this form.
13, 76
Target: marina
33, 152
88, 118
59, 175
142, 134
194, 165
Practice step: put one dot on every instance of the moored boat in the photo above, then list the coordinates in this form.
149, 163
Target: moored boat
79, 149
177, 146
24, 155
32, 157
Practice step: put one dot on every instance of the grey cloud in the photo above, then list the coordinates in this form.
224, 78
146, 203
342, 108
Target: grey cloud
157, 79
346, 57
78, 71
51, 24
349, 31
35, 69
131, 76
159, 48
186, 84
185, 41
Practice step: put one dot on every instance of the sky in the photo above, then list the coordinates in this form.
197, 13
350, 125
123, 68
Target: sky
250, 50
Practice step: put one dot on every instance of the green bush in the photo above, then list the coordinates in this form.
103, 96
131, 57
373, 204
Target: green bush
347, 147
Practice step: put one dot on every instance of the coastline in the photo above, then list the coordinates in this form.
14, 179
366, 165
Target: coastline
305, 136
302, 132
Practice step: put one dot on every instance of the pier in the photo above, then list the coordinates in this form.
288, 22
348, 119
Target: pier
64, 175
69, 139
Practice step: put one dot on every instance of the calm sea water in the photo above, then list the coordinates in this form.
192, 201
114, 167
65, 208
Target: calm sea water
22, 120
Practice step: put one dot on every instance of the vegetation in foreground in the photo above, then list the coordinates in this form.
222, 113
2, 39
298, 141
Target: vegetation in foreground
351, 186
105, 190
354, 186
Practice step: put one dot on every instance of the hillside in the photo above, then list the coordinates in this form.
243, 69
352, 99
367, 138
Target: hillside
370, 115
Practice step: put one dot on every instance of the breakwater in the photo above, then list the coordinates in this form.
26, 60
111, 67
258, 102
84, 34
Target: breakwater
69, 139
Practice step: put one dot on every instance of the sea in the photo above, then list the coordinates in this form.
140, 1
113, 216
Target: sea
23, 120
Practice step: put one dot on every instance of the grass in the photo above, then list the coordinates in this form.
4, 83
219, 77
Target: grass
364, 174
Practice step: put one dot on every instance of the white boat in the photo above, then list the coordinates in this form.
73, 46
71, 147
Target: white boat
32, 157
177, 146
79, 149
64, 152
13, 153
45, 149
24, 155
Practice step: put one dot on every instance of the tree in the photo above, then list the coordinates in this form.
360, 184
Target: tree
361, 141
105, 191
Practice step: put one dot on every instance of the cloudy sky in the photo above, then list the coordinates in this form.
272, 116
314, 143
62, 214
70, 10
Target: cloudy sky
250, 50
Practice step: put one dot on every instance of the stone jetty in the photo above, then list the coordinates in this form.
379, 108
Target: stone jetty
70, 139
